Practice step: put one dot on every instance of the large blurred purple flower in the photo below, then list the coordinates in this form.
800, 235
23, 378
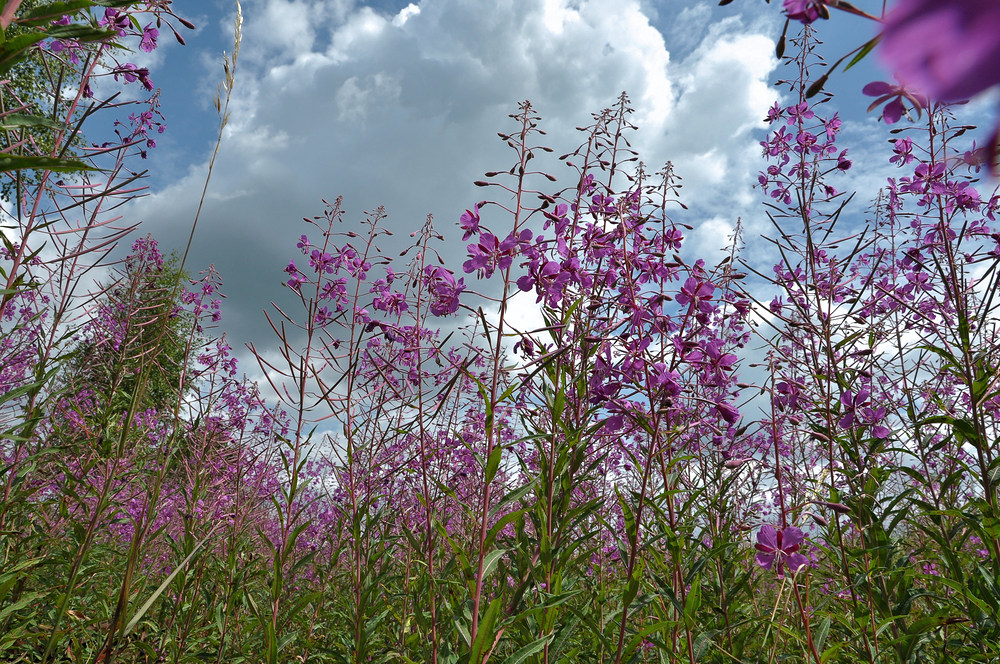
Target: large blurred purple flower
948, 49
778, 548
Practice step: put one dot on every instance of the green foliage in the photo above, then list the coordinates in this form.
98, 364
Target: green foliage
139, 346
34, 102
547, 560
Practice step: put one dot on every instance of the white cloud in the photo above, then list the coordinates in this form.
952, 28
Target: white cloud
724, 96
688, 26
356, 99
710, 237
357, 37
404, 14
286, 25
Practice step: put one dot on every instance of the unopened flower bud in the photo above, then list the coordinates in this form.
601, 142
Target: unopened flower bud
839, 508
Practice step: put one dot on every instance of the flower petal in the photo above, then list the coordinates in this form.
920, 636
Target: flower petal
765, 560
791, 537
796, 562
877, 89
893, 111
768, 537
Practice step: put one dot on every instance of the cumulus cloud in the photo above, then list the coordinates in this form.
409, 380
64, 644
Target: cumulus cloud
724, 96
402, 109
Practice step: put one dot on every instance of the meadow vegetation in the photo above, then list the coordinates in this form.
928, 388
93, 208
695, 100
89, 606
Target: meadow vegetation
418, 480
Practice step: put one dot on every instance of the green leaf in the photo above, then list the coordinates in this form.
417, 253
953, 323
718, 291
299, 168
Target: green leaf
632, 588
527, 651
511, 497
821, 633
15, 50
14, 162
627, 513
501, 523
20, 121
865, 50
163, 586
966, 593
22, 390
463, 631
991, 584
271, 642
493, 463
485, 634
833, 650
116, 3
286, 639
41, 15
566, 630
491, 560
965, 429
693, 602
24, 601
954, 363
81, 32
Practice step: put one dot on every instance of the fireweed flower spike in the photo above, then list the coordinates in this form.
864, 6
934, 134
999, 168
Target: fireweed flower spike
779, 548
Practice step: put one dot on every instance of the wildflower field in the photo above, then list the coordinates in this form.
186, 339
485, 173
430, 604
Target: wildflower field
671, 469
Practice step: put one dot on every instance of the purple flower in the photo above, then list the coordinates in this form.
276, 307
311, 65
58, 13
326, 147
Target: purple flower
491, 254
149, 35
974, 158
133, 73
297, 279
697, 294
321, 261
323, 317
469, 222
903, 149
778, 548
728, 412
843, 163
774, 113
665, 381
442, 285
894, 94
806, 11
850, 404
115, 20
391, 302
948, 49
799, 113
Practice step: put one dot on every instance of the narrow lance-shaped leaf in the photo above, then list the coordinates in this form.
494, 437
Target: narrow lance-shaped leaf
14, 162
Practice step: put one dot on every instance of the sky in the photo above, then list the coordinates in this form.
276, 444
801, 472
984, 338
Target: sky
399, 104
